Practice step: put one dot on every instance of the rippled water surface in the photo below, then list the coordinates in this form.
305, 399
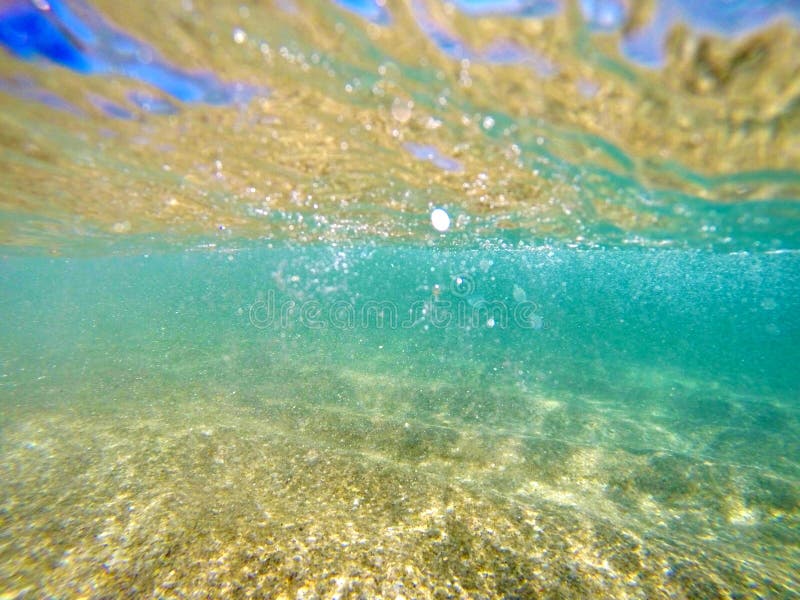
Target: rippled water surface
482, 299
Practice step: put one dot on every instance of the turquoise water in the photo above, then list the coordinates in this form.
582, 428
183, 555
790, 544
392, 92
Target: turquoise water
651, 391
238, 357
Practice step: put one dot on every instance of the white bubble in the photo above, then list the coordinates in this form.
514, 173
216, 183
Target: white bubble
440, 219
401, 109
239, 36
488, 123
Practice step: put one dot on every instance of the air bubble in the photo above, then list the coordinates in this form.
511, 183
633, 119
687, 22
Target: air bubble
440, 220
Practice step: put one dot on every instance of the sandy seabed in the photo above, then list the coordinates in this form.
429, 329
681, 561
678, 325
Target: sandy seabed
223, 500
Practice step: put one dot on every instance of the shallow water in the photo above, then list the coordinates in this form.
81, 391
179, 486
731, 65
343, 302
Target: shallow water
237, 358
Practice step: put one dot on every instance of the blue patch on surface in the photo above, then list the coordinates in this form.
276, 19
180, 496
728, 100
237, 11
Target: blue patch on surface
522, 8
432, 155
371, 10
28, 32
735, 17
72, 34
109, 108
604, 15
152, 104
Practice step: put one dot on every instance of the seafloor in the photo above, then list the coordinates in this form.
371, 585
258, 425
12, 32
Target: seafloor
213, 496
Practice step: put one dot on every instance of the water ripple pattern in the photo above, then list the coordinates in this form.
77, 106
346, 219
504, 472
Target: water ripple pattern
604, 123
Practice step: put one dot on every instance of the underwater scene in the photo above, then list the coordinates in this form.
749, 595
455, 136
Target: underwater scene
400, 299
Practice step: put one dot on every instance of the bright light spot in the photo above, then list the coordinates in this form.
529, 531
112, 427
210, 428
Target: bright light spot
440, 219
239, 36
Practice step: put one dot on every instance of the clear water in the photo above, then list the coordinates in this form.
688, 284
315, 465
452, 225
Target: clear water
238, 360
